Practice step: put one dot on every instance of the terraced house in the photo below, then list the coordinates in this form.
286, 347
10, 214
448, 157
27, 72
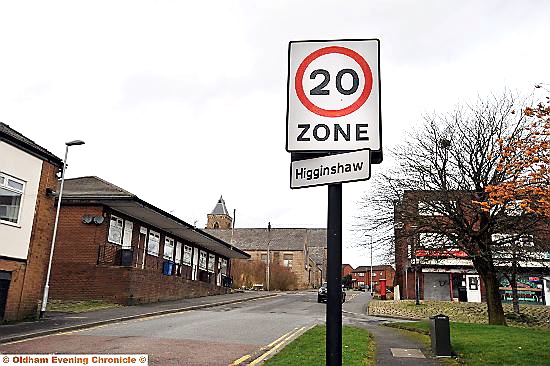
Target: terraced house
112, 245
28, 179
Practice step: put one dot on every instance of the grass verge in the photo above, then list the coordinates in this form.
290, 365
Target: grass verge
310, 347
481, 344
79, 306
463, 312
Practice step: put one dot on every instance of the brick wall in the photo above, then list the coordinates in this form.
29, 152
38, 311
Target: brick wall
76, 274
28, 279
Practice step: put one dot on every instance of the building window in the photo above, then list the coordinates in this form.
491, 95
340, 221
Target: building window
263, 257
168, 248
216, 225
211, 261
178, 253
287, 260
153, 243
127, 234
11, 192
187, 250
223, 268
115, 230
202, 260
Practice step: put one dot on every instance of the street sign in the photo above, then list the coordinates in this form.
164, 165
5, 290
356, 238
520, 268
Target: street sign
337, 168
333, 96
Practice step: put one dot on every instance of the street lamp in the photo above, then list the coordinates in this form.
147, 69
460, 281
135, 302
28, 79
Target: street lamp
268, 242
370, 281
47, 286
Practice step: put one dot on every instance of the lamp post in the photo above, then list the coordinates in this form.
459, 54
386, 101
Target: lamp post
268, 242
370, 281
47, 286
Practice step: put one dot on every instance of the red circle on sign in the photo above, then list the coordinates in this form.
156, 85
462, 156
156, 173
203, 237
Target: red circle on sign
299, 86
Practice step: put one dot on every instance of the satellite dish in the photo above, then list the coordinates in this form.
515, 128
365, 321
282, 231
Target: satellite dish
87, 219
98, 220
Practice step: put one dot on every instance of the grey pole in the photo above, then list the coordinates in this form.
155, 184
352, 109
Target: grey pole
371, 286
268, 259
334, 276
47, 286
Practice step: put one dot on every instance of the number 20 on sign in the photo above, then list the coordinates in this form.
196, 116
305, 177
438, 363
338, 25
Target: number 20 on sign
333, 96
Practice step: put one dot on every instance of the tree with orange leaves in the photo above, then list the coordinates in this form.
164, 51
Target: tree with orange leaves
525, 164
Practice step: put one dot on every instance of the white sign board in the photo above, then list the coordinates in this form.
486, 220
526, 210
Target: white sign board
333, 101
339, 168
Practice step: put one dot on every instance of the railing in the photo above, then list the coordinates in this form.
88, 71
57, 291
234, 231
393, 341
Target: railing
115, 255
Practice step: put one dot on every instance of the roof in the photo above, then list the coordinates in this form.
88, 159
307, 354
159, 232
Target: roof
288, 239
220, 208
86, 190
374, 268
16, 139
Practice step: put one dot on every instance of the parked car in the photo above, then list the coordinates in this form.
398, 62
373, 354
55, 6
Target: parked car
322, 294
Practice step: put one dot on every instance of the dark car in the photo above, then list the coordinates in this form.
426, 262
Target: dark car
322, 293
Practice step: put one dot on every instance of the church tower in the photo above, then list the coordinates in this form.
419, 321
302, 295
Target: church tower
219, 217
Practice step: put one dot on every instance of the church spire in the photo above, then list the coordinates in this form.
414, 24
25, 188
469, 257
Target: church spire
219, 218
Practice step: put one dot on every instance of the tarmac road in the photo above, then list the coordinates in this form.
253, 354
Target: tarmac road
213, 336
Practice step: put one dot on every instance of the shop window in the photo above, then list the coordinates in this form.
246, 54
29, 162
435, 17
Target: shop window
11, 193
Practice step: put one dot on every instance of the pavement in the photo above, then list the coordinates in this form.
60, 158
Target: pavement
58, 322
393, 347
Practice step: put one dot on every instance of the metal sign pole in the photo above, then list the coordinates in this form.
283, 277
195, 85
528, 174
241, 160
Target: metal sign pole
334, 276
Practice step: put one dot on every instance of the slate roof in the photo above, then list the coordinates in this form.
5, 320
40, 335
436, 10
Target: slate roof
93, 187
281, 239
374, 268
220, 208
16, 139
98, 191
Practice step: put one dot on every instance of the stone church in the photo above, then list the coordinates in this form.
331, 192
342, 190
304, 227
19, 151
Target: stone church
302, 250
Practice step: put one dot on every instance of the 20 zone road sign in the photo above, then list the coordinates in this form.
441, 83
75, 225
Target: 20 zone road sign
333, 100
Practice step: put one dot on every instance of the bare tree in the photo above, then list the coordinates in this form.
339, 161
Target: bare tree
445, 166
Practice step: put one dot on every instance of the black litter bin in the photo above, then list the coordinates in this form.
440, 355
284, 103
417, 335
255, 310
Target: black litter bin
440, 335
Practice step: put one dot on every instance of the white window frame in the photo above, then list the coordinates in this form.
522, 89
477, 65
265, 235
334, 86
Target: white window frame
169, 246
118, 228
4, 183
211, 262
223, 267
127, 234
179, 248
187, 254
156, 236
288, 262
202, 260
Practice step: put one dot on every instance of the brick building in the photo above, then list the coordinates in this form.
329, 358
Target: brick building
301, 250
28, 177
346, 269
361, 276
444, 272
112, 245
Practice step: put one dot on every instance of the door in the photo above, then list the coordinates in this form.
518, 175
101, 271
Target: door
5, 279
195, 264
472, 288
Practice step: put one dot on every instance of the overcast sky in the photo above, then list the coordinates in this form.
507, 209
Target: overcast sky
181, 102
